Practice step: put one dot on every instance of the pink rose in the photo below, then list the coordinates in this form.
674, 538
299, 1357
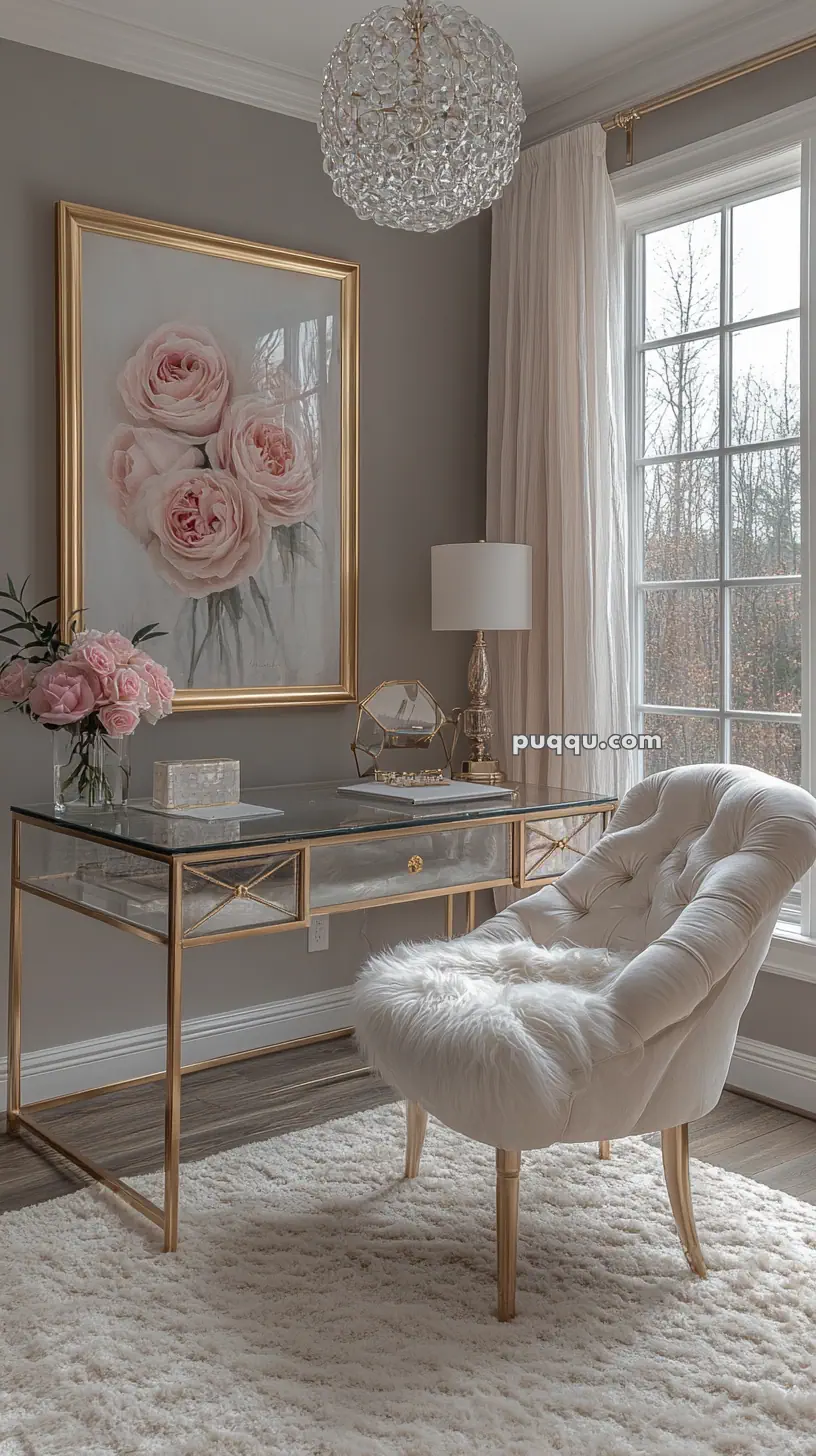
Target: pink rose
206, 531
119, 646
269, 456
64, 692
159, 680
16, 680
95, 655
119, 720
160, 688
179, 379
126, 686
132, 456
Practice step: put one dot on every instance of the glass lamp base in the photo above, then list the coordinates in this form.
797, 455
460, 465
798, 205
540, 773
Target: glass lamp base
482, 771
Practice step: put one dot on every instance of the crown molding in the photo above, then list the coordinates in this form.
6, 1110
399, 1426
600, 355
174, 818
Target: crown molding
660, 63
56, 25
675, 57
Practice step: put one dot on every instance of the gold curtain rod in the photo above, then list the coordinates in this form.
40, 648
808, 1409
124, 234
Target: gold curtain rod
625, 120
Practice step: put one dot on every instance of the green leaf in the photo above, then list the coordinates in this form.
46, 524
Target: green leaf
44, 602
261, 603
144, 634
233, 604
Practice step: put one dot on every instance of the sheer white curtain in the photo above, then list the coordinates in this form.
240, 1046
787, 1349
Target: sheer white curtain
555, 467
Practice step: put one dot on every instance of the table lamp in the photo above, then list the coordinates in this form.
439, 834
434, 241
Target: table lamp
481, 586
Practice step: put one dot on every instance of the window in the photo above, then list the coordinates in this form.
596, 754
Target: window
721, 405
716, 481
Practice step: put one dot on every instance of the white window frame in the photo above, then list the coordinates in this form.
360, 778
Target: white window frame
747, 162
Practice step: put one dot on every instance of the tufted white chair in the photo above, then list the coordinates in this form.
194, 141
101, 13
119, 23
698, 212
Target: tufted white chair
685, 887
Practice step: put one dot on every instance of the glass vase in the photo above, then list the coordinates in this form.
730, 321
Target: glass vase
90, 771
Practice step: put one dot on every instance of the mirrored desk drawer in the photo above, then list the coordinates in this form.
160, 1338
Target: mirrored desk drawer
553, 846
219, 897
348, 874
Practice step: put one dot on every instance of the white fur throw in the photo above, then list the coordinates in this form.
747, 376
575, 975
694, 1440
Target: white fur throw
478, 1024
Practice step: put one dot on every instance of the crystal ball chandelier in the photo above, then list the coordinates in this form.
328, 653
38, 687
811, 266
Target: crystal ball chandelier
421, 113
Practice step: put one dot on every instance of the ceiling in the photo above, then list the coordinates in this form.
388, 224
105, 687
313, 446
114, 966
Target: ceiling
575, 59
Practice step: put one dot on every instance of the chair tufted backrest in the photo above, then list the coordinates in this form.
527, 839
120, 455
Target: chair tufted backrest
688, 878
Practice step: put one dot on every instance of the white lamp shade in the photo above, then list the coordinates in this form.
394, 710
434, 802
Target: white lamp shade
482, 586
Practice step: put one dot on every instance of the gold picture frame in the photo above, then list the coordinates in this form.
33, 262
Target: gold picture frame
74, 224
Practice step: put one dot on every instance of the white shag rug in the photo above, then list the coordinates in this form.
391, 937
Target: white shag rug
321, 1306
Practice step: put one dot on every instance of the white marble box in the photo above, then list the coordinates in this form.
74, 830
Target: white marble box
196, 783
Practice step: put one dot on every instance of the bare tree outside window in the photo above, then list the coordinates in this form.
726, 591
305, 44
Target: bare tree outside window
717, 480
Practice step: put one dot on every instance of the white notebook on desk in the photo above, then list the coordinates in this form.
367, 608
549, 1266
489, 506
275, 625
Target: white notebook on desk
211, 812
445, 793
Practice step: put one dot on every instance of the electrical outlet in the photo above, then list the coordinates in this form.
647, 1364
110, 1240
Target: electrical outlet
318, 937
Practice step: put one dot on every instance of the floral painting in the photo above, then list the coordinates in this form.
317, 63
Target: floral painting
209, 455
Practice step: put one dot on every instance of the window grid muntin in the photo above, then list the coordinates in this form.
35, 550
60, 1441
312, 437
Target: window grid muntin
723, 454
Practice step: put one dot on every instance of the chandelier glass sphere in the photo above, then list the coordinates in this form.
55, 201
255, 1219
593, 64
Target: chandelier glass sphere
421, 114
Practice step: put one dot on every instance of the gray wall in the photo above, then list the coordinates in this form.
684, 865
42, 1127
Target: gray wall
717, 110
87, 134
781, 1011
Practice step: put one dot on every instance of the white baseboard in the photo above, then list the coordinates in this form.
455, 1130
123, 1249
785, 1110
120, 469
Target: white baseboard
56, 1071
774, 1072
756, 1067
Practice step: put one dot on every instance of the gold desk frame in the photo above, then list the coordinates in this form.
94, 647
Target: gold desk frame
73, 221
21, 1117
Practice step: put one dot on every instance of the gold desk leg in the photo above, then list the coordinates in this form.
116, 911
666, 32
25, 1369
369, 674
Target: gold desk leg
417, 1120
15, 987
605, 1149
675, 1147
450, 902
172, 1110
471, 910
508, 1167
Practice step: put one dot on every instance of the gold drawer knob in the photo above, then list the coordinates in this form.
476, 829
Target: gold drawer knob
415, 864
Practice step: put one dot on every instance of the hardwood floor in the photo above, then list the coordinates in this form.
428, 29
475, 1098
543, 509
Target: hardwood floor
259, 1098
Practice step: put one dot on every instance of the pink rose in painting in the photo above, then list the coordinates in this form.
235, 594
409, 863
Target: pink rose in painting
16, 680
64, 692
268, 456
119, 720
178, 378
95, 655
132, 456
206, 531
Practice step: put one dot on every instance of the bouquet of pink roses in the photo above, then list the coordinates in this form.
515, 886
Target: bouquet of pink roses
216, 473
99, 686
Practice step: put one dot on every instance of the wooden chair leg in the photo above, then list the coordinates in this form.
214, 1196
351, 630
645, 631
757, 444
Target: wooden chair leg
417, 1123
675, 1147
605, 1149
508, 1167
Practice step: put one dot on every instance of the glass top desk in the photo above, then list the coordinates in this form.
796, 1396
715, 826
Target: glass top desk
183, 883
